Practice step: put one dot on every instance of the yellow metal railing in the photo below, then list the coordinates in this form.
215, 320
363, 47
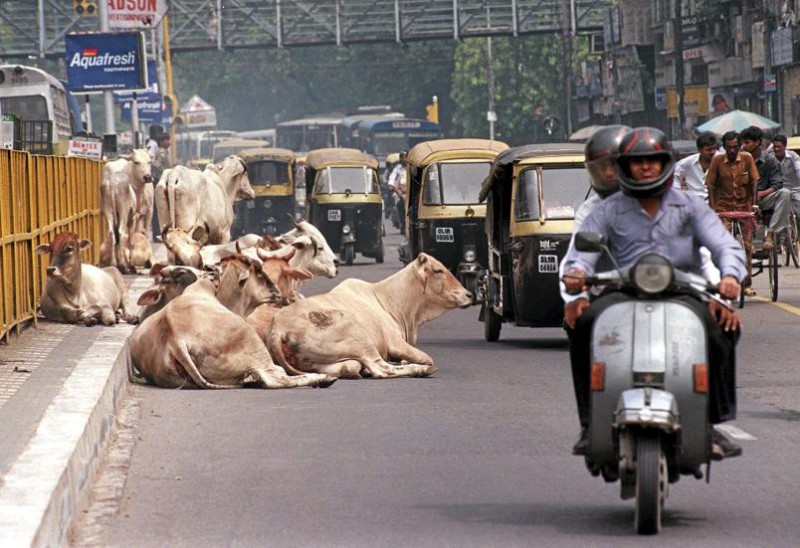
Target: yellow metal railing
41, 196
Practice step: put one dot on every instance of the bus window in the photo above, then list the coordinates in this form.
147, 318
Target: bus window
28, 107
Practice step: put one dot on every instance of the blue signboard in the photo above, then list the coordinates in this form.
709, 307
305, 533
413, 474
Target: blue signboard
150, 94
105, 61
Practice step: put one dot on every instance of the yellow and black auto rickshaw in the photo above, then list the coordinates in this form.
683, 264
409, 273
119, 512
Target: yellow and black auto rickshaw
444, 218
271, 174
344, 201
532, 194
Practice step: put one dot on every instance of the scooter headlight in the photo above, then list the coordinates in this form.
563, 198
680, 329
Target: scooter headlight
469, 256
346, 229
652, 274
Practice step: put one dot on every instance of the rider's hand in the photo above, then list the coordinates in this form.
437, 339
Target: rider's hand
573, 310
728, 319
729, 288
575, 281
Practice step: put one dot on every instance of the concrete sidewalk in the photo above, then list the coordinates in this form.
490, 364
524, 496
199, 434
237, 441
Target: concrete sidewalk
60, 386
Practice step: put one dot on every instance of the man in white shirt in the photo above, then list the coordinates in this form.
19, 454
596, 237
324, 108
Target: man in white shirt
789, 162
690, 173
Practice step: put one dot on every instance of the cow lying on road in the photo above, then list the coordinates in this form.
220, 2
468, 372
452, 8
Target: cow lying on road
359, 327
76, 292
170, 281
196, 342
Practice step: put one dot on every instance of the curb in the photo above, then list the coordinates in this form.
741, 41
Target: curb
45, 486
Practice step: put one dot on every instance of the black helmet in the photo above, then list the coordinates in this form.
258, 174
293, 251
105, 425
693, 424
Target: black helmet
645, 142
602, 147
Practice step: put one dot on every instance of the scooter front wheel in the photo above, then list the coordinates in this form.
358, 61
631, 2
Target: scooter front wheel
651, 483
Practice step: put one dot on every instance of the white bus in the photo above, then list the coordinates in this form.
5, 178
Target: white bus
31, 94
195, 148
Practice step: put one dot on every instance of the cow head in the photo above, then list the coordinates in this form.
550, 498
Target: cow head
244, 285
142, 168
319, 258
184, 246
170, 282
439, 287
65, 256
278, 270
236, 168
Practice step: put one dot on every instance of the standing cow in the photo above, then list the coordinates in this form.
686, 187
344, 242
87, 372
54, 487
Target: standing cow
188, 198
358, 327
122, 195
76, 292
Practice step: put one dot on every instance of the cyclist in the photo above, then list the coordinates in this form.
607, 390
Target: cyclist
789, 162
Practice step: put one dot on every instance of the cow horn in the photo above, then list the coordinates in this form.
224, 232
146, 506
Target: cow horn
294, 220
164, 231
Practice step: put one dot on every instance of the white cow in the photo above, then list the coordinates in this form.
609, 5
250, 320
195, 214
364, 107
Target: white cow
122, 193
188, 198
359, 327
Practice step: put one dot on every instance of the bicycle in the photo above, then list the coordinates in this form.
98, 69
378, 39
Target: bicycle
790, 244
744, 222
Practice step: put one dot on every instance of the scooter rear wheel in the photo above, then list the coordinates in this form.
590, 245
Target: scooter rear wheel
651, 484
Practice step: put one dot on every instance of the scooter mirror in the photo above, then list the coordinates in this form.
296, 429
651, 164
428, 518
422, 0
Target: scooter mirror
589, 242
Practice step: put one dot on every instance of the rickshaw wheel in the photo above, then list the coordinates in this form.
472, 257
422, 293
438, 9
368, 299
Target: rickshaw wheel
379, 253
772, 269
492, 324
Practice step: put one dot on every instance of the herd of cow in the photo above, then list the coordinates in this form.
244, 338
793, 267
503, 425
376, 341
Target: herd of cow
224, 314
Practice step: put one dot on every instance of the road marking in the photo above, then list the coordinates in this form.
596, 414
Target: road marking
735, 432
787, 307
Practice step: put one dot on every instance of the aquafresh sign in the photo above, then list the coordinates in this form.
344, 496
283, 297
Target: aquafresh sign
105, 61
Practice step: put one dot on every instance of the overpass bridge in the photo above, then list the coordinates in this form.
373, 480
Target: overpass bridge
37, 27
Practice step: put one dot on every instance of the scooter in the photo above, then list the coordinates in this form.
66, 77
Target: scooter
649, 381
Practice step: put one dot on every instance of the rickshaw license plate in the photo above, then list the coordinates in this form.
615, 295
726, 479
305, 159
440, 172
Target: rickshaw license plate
334, 214
444, 234
548, 264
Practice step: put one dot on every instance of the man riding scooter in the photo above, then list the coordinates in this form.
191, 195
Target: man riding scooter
649, 216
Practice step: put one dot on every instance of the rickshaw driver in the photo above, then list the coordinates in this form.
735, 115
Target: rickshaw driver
397, 185
647, 216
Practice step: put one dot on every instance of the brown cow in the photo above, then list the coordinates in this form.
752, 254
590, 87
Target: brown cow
358, 327
196, 342
76, 292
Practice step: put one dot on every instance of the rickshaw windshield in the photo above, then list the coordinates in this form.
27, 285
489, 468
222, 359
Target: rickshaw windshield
454, 183
563, 191
268, 173
338, 180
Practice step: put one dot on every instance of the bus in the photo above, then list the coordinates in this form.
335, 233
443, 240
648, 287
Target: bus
195, 148
308, 133
267, 135
32, 95
381, 136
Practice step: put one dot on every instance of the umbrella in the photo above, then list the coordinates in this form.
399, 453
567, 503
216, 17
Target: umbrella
584, 133
736, 120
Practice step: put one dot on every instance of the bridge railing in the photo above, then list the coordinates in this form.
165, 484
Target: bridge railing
41, 196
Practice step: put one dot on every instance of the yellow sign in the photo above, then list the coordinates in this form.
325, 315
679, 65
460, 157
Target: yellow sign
432, 111
695, 101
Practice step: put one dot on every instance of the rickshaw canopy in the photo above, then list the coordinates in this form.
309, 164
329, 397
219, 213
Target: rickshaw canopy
262, 153
223, 149
327, 157
503, 165
448, 149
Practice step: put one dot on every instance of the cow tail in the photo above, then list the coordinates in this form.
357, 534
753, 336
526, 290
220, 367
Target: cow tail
277, 351
185, 360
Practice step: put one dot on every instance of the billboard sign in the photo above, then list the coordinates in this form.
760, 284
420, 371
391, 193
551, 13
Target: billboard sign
135, 14
105, 61
85, 147
149, 94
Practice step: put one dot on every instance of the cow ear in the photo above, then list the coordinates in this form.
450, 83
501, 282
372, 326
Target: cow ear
164, 231
85, 244
300, 243
151, 296
243, 275
155, 270
422, 258
200, 234
43, 249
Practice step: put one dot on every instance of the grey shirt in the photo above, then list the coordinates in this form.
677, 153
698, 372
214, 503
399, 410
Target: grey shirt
683, 224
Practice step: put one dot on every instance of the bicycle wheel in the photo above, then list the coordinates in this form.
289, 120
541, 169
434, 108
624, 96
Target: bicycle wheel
737, 234
772, 269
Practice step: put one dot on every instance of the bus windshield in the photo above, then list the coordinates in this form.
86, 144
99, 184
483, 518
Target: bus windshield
338, 180
386, 143
27, 107
454, 183
563, 189
268, 173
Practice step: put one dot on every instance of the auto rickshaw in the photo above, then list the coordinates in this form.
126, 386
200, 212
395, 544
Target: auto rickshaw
532, 193
444, 218
344, 201
271, 174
